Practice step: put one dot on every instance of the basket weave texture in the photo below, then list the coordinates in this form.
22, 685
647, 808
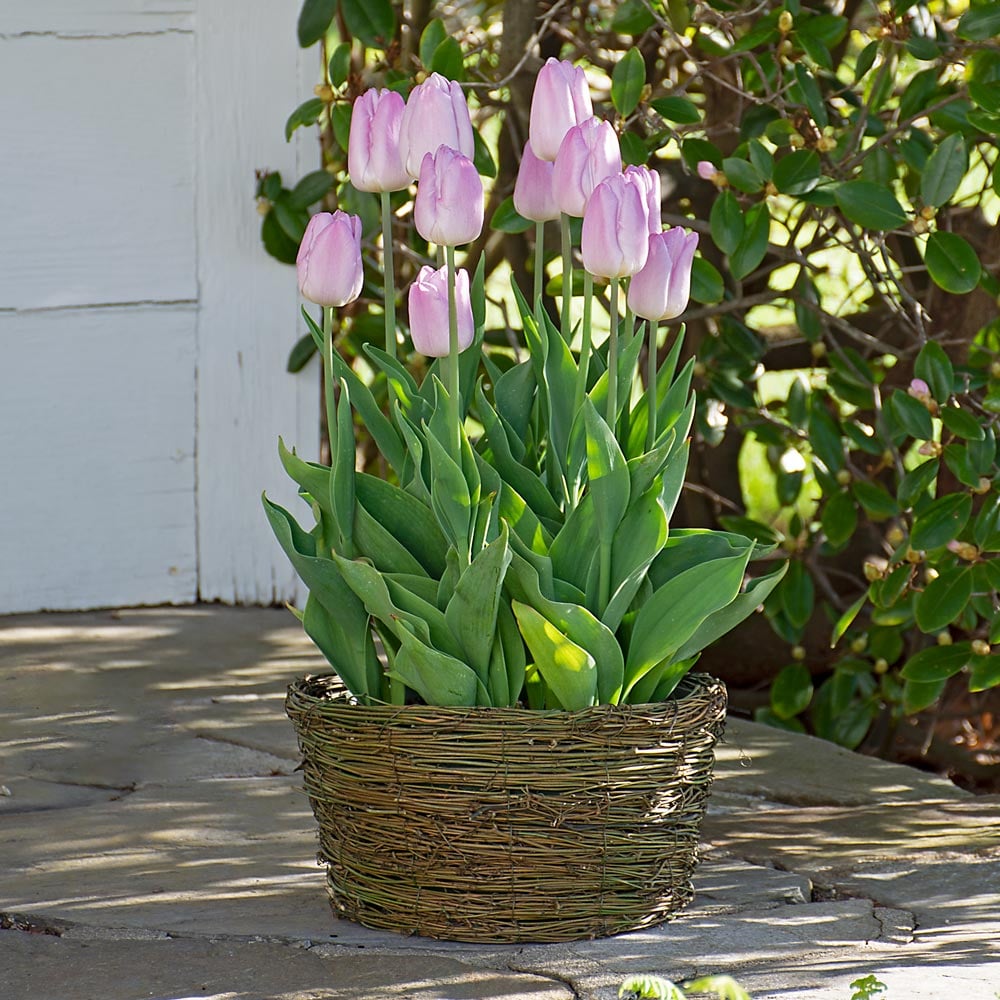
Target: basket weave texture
508, 825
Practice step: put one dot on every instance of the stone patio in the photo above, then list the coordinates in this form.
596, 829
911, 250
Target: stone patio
156, 843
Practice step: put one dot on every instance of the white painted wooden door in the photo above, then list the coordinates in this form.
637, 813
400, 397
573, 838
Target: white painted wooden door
143, 331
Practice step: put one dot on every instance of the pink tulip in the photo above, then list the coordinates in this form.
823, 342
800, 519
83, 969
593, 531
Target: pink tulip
428, 303
587, 155
373, 157
649, 181
661, 289
436, 114
533, 197
448, 209
329, 259
615, 238
560, 101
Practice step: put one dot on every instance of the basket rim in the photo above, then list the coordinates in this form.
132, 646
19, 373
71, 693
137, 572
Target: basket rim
695, 686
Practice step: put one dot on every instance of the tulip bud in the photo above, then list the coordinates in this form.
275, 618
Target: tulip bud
329, 259
615, 240
533, 197
589, 153
448, 208
661, 289
649, 182
436, 114
561, 100
373, 157
428, 305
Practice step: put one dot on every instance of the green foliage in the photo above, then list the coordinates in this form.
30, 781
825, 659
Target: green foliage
846, 250
867, 987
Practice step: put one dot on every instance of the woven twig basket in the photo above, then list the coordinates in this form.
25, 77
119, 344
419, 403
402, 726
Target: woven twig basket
507, 825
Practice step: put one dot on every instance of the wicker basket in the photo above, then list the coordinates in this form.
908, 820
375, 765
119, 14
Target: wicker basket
507, 825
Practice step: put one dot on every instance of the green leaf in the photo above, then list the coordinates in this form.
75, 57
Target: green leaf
978, 24
607, 472
677, 109
431, 37
791, 691
632, 18
471, 613
276, 241
911, 415
507, 220
707, 285
944, 171
482, 157
724, 987
306, 113
634, 150
627, 81
742, 174
569, 671
752, 248
917, 482
839, 519
869, 205
986, 530
918, 695
797, 173
438, 678
934, 366
985, 673
937, 663
339, 68
449, 61
952, 263
727, 222
962, 423
371, 21
677, 608
310, 189
944, 599
941, 521
844, 622
314, 20
301, 354
875, 499
797, 594
825, 437
866, 59
812, 94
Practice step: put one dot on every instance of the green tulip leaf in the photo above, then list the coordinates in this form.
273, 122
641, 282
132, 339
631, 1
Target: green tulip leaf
569, 671
438, 678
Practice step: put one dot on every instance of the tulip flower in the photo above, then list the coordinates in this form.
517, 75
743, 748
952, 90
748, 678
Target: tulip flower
428, 303
649, 181
374, 160
448, 208
436, 114
561, 100
533, 197
615, 240
661, 289
329, 259
588, 153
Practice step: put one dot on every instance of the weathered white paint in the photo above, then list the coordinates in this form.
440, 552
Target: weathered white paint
95, 17
143, 330
97, 198
98, 458
248, 306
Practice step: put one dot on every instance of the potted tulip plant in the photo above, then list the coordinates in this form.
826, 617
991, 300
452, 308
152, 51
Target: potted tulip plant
512, 745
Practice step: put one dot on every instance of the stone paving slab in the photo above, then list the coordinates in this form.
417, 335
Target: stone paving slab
155, 823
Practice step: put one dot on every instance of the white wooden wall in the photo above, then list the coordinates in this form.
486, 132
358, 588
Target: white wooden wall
143, 330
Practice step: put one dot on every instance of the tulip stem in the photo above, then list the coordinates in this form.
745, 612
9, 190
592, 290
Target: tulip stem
567, 275
539, 261
328, 394
584, 369
452, 361
390, 277
651, 387
613, 357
